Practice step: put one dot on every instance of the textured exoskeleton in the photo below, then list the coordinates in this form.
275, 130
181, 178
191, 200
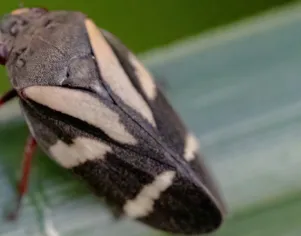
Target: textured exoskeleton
93, 108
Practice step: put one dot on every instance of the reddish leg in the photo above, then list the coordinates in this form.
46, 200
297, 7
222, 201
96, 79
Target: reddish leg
26, 167
8, 96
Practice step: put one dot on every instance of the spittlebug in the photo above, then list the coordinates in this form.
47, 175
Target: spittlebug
95, 110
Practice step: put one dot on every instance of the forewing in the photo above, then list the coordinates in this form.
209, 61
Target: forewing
168, 124
124, 172
109, 123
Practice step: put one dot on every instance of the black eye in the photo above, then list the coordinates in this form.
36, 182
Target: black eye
3, 54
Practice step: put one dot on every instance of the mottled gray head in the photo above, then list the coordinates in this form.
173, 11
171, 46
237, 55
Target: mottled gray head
13, 25
39, 47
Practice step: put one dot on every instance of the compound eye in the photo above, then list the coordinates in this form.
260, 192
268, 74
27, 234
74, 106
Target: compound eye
3, 54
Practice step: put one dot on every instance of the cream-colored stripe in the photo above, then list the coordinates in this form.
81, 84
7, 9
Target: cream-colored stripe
82, 106
112, 72
82, 150
145, 79
19, 11
143, 203
191, 147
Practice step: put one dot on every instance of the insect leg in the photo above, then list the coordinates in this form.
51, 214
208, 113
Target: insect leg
26, 167
8, 96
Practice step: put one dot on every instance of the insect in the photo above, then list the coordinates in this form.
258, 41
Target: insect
95, 110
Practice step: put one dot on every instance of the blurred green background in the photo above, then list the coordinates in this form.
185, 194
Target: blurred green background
236, 84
